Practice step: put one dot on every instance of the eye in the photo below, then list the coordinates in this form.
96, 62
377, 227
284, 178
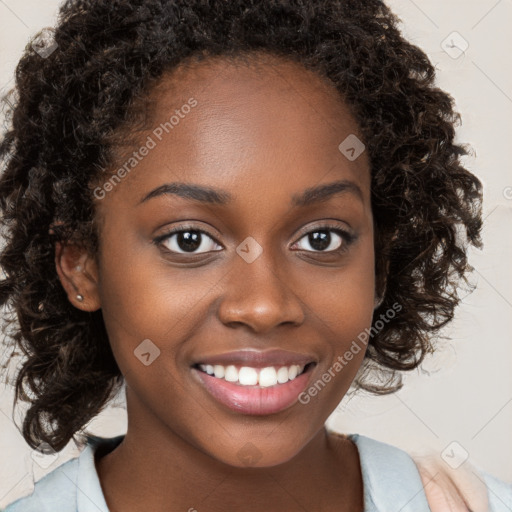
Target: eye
187, 240
325, 239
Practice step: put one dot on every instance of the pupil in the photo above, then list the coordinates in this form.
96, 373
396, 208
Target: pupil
189, 241
320, 240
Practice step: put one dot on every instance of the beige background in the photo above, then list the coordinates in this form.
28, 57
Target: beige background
464, 394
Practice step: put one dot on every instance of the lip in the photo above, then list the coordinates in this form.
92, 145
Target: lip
255, 400
258, 358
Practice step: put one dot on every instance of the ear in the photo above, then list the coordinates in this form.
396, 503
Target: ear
78, 273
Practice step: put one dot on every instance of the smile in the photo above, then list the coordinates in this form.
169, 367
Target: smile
255, 383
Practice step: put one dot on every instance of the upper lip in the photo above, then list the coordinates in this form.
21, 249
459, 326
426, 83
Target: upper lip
258, 358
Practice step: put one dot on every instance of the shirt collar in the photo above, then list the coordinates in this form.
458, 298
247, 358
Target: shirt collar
90, 496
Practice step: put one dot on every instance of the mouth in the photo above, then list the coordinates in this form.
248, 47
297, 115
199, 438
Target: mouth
254, 386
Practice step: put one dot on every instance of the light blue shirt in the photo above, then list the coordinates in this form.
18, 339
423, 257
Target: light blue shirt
390, 478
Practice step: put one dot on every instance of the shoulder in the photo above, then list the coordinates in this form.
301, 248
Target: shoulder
376, 456
72, 487
500, 493
55, 491
391, 479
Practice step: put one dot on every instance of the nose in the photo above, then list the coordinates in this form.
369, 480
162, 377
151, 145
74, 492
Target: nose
258, 296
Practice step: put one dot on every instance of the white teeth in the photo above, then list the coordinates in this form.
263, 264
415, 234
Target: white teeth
282, 375
231, 374
248, 376
292, 371
218, 371
268, 377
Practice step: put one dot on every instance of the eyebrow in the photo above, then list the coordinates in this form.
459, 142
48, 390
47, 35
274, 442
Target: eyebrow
210, 195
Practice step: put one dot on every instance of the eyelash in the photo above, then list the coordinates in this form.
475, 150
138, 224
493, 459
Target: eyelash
347, 237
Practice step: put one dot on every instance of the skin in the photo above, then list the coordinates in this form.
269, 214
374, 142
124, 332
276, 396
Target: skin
264, 133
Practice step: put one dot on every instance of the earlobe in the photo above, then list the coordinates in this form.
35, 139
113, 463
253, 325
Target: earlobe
380, 291
78, 274
378, 302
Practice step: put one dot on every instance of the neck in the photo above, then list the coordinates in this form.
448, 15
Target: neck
162, 469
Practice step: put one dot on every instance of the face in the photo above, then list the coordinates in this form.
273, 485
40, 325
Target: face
237, 260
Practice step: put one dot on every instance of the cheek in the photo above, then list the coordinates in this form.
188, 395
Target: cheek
343, 300
342, 309
143, 298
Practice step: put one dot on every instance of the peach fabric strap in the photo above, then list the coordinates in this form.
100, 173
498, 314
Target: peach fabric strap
452, 490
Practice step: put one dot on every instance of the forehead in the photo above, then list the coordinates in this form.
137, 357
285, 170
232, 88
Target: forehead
255, 123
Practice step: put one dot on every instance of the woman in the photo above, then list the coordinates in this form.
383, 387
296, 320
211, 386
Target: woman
215, 201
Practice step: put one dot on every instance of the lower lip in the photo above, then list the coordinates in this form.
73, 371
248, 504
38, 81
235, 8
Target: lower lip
255, 400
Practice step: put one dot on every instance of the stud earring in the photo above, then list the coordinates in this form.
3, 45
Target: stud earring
79, 297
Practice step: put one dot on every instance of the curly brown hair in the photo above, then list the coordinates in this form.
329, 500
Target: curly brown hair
73, 104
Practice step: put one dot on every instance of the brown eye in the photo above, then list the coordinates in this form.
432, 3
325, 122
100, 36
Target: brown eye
187, 241
326, 239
